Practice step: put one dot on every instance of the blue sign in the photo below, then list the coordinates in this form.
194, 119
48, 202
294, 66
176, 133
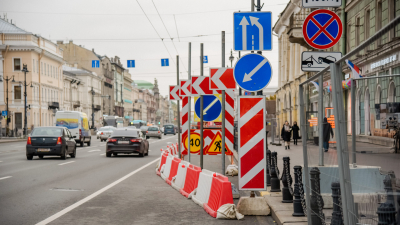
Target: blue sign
4, 113
211, 108
247, 93
205, 59
252, 72
95, 63
131, 63
252, 31
164, 62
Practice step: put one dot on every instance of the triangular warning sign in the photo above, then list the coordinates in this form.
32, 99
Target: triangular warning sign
215, 146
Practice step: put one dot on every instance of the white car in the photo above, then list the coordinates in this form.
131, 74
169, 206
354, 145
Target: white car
106, 133
100, 130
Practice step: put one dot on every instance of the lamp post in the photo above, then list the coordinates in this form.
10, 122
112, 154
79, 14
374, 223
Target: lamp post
25, 70
231, 58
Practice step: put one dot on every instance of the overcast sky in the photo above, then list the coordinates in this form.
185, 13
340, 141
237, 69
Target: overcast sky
121, 28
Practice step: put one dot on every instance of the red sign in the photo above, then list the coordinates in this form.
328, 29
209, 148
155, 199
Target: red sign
185, 88
174, 92
201, 86
222, 79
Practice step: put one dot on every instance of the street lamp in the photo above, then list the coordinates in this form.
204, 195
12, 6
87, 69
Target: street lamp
231, 58
25, 70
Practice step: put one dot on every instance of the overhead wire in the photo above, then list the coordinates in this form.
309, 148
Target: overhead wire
177, 29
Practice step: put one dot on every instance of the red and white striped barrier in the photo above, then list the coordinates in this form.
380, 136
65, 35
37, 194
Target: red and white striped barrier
180, 177
192, 177
163, 159
203, 187
167, 167
220, 195
174, 169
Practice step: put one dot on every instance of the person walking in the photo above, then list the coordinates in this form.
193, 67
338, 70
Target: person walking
286, 133
295, 130
327, 130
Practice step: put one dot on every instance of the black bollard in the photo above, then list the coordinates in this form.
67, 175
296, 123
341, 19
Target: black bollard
337, 214
387, 210
287, 191
316, 201
299, 204
275, 182
268, 167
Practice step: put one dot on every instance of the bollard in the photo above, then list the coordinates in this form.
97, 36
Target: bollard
275, 182
387, 210
316, 201
299, 204
268, 167
337, 214
287, 191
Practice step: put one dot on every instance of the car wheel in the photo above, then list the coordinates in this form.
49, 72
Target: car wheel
88, 144
73, 155
108, 154
175, 134
147, 137
165, 134
160, 137
29, 157
41, 156
115, 154
97, 137
81, 144
64, 156
141, 154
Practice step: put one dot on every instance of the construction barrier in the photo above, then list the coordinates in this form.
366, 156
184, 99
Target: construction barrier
174, 169
203, 187
220, 195
163, 159
192, 177
179, 180
167, 167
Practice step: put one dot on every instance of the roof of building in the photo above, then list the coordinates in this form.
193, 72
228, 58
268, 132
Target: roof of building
7, 27
75, 71
142, 84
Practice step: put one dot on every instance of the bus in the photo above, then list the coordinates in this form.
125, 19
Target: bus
137, 123
113, 121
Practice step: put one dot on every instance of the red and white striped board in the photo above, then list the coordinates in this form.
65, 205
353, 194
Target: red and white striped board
184, 88
174, 92
201, 86
229, 117
251, 143
185, 117
222, 79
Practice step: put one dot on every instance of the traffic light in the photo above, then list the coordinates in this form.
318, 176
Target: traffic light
159, 123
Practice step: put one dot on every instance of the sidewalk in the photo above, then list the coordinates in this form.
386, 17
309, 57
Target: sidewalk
11, 139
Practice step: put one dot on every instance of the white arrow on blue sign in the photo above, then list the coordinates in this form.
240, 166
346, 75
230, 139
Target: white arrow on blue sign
211, 107
131, 63
205, 59
164, 62
95, 63
252, 31
252, 72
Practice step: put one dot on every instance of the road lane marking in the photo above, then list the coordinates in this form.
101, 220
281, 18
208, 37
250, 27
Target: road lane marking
94, 150
103, 154
88, 198
2, 178
65, 163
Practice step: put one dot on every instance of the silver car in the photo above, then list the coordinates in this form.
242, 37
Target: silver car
106, 133
100, 130
153, 132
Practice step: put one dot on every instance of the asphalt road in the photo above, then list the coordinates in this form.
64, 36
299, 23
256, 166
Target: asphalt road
93, 189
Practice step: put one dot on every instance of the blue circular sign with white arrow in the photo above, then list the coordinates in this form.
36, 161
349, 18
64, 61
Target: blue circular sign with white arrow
211, 108
252, 72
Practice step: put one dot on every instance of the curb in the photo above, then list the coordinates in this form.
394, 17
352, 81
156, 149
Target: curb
7, 141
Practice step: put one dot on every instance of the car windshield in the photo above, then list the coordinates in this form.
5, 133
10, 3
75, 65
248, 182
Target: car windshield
103, 128
169, 126
125, 133
153, 129
144, 128
46, 131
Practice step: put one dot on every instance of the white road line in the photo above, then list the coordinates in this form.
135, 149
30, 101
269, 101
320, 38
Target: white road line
65, 163
103, 154
94, 150
88, 198
2, 178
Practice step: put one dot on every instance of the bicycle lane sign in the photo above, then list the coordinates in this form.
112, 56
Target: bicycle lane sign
322, 29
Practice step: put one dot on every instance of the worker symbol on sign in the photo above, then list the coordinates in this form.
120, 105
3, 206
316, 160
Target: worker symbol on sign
322, 29
217, 146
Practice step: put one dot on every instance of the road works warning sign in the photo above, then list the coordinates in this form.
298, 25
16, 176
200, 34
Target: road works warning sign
212, 142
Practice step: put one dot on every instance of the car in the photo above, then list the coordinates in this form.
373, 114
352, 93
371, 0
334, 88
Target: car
169, 129
100, 130
106, 133
45, 141
127, 141
153, 131
144, 129
162, 129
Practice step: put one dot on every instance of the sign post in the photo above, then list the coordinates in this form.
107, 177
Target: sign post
223, 104
179, 115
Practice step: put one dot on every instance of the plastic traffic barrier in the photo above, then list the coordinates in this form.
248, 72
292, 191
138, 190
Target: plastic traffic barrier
174, 170
164, 155
167, 167
192, 177
180, 177
203, 187
221, 194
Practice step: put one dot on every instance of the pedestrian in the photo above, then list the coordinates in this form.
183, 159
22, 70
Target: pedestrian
295, 130
327, 130
286, 133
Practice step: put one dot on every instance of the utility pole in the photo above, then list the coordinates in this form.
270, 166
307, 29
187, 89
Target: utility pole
260, 92
223, 104
92, 108
25, 70
109, 105
201, 109
189, 98
179, 117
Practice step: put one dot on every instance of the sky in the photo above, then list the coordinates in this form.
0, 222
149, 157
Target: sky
163, 30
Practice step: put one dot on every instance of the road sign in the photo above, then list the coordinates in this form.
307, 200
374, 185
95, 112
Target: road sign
4, 113
251, 143
131, 63
212, 108
222, 79
247, 93
164, 62
95, 63
252, 72
210, 146
185, 88
321, 4
317, 61
201, 86
174, 92
185, 117
322, 29
205, 59
252, 31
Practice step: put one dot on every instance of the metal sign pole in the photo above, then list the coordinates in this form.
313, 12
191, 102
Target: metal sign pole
189, 98
201, 109
179, 114
223, 105
353, 122
321, 119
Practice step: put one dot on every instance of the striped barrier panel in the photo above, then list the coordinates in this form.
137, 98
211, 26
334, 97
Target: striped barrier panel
221, 194
203, 187
192, 177
163, 159
174, 170
179, 180
167, 167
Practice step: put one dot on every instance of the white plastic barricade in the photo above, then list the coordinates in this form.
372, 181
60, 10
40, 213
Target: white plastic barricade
159, 161
203, 187
167, 167
179, 180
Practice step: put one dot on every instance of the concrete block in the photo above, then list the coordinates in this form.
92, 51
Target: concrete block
256, 206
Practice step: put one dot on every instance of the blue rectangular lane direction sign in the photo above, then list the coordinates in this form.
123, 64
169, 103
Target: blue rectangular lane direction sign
131, 63
205, 59
4, 113
95, 63
164, 62
252, 31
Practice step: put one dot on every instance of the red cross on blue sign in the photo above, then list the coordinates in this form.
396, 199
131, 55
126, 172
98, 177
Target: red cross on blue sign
322, 29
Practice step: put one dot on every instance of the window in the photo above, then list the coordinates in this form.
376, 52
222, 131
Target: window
17, 64
357, 26
17, 92
48, 70
33, 65
366, 28
37, 65
379, 21
41, 67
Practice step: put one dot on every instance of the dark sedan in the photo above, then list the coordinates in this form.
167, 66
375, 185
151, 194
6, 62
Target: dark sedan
127, 141
50, 141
